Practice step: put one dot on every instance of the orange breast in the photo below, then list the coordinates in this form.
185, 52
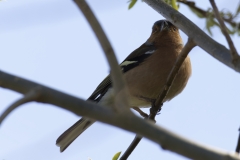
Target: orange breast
146, 81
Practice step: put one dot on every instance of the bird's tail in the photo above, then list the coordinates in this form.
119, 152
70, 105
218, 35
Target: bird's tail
65, 139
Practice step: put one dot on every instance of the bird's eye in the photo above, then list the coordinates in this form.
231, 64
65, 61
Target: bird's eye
154, 29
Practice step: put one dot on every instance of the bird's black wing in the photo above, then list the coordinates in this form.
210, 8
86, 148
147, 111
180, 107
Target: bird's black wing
133, 60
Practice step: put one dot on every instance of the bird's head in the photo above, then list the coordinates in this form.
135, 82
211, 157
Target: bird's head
162, 25
164, 32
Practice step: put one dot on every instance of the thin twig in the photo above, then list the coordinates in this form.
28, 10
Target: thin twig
238, 143
131, 147
192, 5
119, 86
204, 13
28, 97
186, 49
158, 103
223, 27
212, 47
132, 123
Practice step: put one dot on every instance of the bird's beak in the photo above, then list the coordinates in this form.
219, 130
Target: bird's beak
163, 25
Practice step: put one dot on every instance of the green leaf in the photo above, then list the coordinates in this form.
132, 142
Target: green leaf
215, 23
199, 14
232, 32
174, 4
132, 3
209, 24
167, 1
227, 15
116, 156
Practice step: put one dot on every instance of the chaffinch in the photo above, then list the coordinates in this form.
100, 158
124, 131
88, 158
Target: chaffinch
145, 70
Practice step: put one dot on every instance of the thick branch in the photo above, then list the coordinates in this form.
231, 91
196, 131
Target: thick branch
132, 123
215, 49
223, 27
119, 86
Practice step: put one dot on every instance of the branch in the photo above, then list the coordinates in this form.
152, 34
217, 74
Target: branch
120, 89
186, 49
204, 13
233, 52
131, 147
215, 49
128, 122
32, 95
238, 143
132, 123
159, 101
54, 97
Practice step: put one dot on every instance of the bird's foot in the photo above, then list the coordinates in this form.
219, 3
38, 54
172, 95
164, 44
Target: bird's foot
143, 114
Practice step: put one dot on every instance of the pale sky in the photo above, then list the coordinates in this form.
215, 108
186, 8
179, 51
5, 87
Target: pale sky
50, 42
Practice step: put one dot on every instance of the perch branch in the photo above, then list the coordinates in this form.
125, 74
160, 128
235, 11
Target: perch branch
168, 140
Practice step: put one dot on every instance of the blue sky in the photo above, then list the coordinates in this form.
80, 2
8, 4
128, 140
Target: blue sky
50, 42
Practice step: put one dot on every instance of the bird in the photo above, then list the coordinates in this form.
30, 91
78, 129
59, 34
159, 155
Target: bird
145, 72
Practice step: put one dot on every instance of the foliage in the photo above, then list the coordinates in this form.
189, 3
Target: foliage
131, 3
229, 17
116, 156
